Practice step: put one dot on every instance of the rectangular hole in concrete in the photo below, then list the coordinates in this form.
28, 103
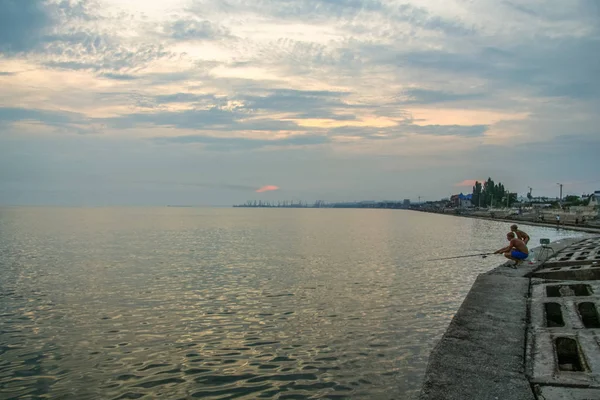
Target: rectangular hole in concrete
579, 267
564, 259
581, 258
554, 316
568, 290
567, 354
589, 315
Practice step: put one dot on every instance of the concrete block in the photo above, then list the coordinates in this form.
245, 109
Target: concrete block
481, 355
566, 393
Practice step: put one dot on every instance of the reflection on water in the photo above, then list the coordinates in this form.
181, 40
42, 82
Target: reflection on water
230, 303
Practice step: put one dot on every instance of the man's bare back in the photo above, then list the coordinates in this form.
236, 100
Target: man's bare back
516, 250
519, 245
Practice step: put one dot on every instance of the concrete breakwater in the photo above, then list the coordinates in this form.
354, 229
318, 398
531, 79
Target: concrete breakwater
526, 333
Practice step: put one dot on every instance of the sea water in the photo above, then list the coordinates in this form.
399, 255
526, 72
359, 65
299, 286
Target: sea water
220, 303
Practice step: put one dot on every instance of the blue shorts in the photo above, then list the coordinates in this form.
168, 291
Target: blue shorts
518, 255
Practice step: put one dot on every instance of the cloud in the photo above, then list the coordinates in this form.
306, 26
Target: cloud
119, 77
349, 85
186, 98
238, 143
31, 25
196, 29
72, 35
267, 188
22, 24
450, 130
77, 54
215, 118
54, 118
521, 8
303, 103
425, 96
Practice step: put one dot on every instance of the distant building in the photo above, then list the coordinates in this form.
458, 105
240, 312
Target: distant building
406, 203
595, 199
461, 200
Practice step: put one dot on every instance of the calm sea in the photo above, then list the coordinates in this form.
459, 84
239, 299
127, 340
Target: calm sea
177, 303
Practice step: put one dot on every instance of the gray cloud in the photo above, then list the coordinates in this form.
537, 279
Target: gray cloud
22, 24
53, 118
185, 98
521, 8
420, 17
557, 10
60, 35
119, 77
567, 67
27, 25
450, 130
408, 127
547, 67
230, 144
107, 58
212, 119
297, 9
196, 29
305, 104
5, 73
212, 112
424, 96
354, 12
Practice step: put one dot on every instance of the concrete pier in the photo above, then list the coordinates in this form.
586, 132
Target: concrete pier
527, 333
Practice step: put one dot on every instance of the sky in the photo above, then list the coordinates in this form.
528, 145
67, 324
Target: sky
200, 102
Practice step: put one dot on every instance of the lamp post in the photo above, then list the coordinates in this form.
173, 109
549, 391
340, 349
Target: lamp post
560, 200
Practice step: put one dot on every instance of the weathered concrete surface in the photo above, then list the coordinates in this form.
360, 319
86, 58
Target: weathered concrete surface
481, 355
580, 261
556, 247
566, 393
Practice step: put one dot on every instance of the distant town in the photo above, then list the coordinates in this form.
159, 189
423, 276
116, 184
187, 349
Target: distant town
487, 199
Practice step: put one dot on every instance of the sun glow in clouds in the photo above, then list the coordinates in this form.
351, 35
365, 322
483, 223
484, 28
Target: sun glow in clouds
468, 182
267, 188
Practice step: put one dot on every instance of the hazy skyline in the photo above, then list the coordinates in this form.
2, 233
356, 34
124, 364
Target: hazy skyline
107, 102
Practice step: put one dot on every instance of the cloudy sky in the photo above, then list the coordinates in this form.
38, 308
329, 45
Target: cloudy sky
151, 102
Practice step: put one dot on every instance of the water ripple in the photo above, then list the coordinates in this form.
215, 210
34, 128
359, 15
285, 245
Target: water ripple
226, 304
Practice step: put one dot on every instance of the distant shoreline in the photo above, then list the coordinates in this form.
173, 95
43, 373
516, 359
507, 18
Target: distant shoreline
563, 226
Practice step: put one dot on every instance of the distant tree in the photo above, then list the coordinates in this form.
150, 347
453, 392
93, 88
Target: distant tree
476, 194
491, 194
573, 200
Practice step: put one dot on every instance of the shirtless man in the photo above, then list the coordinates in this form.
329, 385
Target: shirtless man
520, 234
516, 250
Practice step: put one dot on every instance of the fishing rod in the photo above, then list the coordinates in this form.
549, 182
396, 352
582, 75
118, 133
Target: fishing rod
482, 255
